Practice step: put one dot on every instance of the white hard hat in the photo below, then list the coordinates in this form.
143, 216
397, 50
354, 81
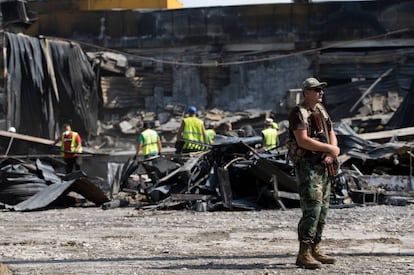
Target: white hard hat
12, 129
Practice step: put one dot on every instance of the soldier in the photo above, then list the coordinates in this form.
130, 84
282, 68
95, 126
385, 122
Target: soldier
316, 149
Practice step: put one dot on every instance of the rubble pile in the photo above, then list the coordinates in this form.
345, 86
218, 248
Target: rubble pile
233, 173
27, 185
230, 175
120, 133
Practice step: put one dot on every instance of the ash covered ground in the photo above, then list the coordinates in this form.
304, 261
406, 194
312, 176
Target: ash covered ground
89, 240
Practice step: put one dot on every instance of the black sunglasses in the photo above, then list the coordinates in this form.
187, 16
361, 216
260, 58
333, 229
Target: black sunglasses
318, 90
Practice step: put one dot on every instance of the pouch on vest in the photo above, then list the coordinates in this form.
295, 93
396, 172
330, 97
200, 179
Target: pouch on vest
295, 153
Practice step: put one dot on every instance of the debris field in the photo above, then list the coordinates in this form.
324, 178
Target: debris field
86, 240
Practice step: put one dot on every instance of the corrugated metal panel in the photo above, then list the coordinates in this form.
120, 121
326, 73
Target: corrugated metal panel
367, 64
122, 92
337, 67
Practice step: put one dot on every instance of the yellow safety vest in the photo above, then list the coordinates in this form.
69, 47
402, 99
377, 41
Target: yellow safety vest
193, 130
270, 138
210, 133
73, 143
149, 142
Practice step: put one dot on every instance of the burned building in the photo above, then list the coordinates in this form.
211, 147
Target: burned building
240, 57
98, 66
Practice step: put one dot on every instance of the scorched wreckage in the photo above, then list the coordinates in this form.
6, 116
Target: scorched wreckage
106, 79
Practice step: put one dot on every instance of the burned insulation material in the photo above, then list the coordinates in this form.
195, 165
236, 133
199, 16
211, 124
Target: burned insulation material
49, 82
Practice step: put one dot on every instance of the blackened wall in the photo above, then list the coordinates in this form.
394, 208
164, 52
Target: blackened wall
232, 37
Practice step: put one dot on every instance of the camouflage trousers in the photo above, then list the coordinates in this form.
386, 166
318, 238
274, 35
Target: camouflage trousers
314, 191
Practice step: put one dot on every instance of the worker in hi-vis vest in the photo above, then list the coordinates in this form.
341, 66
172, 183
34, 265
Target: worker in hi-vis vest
149, 142
269, 135
210, 134
191, 135
71, 148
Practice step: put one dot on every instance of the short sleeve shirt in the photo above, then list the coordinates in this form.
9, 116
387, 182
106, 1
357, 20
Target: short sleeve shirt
313, 124
67, 144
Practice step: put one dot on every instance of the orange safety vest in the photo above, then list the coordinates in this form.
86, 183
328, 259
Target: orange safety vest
73, 145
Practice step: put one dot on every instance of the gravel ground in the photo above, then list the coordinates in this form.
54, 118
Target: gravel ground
89, 240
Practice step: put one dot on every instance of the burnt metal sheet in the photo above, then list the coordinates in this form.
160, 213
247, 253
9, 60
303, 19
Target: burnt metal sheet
77, 86
47, 171
367, 67
43, 198
120, 92
89, 191
225, 186
114, 174
353, 145
266, 169
51, 193
18, 182
404, 117
49, 82
18, 192
227, 173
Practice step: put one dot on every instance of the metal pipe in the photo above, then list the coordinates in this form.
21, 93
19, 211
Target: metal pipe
9, 146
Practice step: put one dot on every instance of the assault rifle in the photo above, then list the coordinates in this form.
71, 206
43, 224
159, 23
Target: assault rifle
339, 184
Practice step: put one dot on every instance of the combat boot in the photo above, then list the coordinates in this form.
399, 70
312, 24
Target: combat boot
319, 256
305, 258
